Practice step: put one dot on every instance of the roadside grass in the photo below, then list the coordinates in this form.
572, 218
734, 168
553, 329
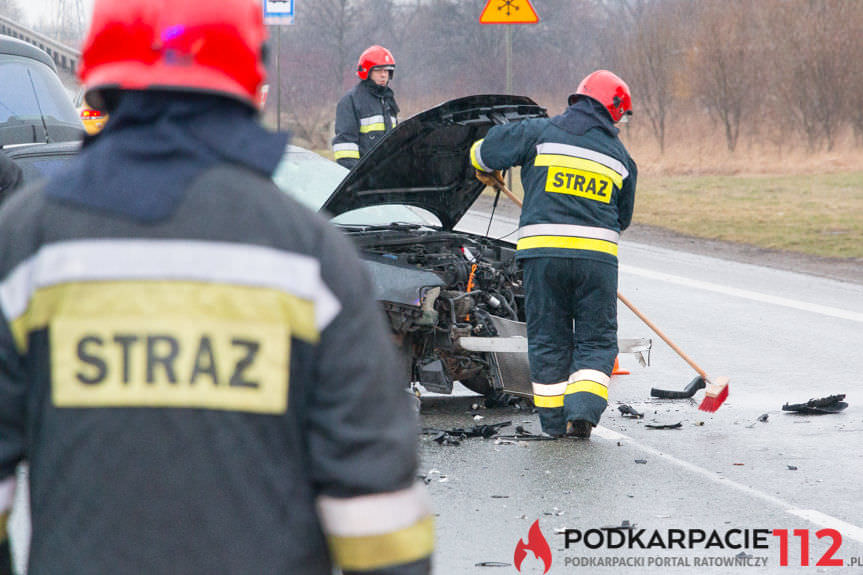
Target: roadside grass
817, 214
805, 204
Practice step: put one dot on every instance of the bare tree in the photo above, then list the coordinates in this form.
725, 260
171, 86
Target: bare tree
651, 55
722, 63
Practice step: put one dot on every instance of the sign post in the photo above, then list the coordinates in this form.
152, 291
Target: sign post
508, 12
278, 13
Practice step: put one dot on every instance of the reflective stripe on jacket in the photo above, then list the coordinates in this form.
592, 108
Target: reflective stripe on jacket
579, 181
363, 115
202, 384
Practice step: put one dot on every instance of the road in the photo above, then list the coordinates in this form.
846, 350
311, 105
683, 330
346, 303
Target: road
780, 336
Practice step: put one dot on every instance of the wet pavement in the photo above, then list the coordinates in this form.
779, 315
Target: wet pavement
781, 337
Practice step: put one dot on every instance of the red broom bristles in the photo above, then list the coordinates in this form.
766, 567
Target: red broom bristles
715, 395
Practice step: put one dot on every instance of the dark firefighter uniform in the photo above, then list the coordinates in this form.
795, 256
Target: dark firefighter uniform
363, 116
579, 184
195, 390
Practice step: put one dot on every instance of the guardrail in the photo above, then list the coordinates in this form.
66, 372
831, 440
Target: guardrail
64, 57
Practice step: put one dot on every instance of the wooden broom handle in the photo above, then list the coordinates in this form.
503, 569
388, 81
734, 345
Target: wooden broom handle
664, 337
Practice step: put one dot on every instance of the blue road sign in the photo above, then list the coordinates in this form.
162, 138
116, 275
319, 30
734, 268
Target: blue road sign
278, 12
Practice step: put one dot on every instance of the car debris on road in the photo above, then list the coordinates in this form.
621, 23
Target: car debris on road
829, 404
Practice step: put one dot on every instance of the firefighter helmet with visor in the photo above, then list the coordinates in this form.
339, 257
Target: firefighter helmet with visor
375, 57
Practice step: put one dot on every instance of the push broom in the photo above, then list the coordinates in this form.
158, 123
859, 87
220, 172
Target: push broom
716, 391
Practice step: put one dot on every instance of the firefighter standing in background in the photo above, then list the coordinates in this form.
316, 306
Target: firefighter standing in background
190, 360
579, 193
369, 110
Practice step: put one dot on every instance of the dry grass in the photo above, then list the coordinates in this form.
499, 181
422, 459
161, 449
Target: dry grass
770, 193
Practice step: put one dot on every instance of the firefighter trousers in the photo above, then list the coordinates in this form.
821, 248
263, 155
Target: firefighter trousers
571, 309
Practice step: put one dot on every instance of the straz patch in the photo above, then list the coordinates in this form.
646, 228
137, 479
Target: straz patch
579, 183
200, 363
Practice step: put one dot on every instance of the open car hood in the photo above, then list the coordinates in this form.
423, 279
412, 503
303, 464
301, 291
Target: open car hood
424, 161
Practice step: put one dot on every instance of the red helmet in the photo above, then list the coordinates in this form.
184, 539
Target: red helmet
375, 57
185, 45
607, 89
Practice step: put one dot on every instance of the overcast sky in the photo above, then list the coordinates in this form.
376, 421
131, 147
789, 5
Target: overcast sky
37, 10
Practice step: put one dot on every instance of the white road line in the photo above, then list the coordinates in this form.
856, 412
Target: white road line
746, 294
847, 530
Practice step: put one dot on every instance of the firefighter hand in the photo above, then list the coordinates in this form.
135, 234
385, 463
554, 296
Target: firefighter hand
493, 179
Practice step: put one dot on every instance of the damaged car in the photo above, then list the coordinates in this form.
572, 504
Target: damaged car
454, 299
438, 286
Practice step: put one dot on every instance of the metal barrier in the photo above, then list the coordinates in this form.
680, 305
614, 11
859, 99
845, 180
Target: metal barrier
64, 57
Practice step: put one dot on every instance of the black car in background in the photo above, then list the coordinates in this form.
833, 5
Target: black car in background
39, 127
35, 107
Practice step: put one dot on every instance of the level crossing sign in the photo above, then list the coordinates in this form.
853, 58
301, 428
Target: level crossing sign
278, 12
508, 12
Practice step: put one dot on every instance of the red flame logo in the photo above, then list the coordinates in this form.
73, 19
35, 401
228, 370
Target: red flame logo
535, 542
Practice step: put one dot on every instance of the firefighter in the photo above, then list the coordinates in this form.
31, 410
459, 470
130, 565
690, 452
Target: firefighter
367, 112
579, 191
191, 361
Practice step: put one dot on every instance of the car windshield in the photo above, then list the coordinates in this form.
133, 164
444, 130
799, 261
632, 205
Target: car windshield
34, 106
311, 179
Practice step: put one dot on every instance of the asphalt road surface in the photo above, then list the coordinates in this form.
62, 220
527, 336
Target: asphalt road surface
750, 469
718, 494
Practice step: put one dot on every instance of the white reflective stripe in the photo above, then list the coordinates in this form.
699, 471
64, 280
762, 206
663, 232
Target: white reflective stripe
373, 514
477, 156
346, 147
379, 119
590, 375
548, 389
7, 494
585, 153
179, 260
393, 121
569, 230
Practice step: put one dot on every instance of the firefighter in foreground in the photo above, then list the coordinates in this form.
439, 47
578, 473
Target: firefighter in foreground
579, 192
366, 113
191, 361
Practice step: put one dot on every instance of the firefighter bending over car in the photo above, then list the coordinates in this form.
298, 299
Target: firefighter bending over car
579, 193
191, 361
366, 113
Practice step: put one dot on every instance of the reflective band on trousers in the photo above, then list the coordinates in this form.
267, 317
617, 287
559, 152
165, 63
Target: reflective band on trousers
552, 395
568, 236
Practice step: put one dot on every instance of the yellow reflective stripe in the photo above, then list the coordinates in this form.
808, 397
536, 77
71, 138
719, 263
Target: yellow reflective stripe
548, 400
347, 154
4, 519
588, 386
373, 128
475, 159
579, 164
567, 242
180, 299
389, 549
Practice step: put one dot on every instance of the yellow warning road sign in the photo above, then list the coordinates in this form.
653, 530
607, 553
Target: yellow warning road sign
508, 12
